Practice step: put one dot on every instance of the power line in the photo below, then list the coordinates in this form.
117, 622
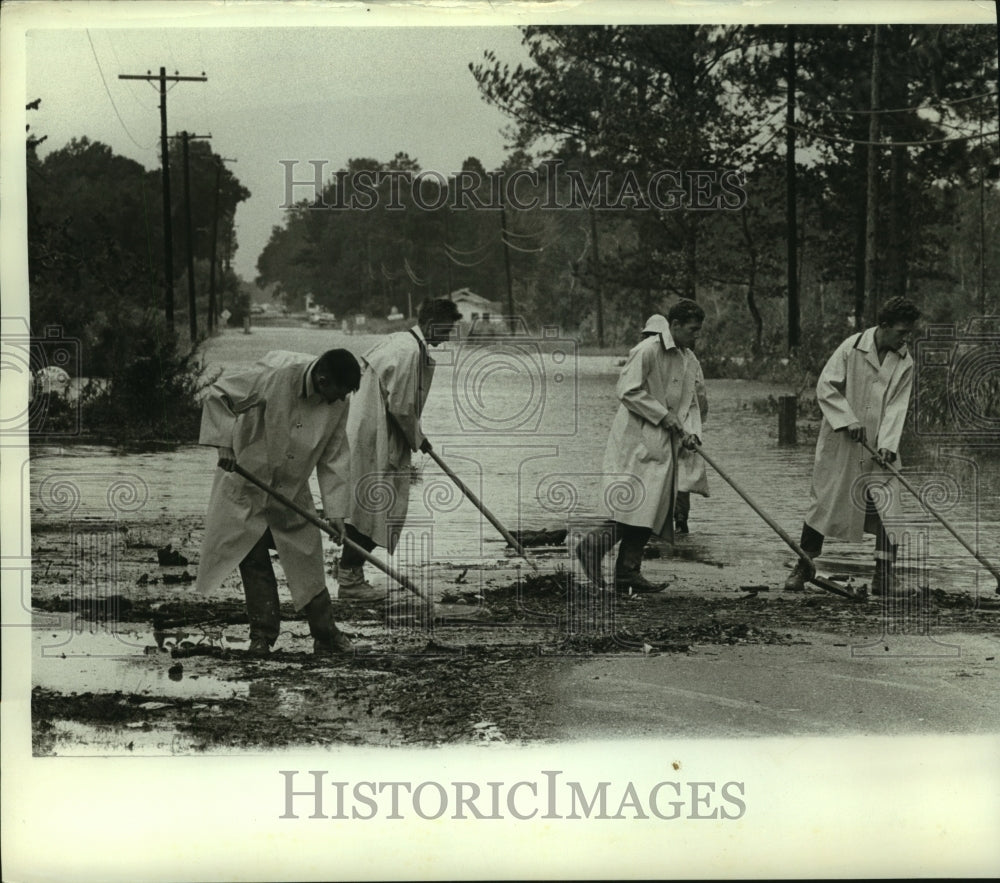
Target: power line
837, 138
933, 106
113, 105
130, 90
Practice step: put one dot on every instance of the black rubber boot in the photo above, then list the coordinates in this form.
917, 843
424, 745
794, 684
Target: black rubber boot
812, 544
328, 640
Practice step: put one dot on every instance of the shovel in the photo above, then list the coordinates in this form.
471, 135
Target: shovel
322, 525
903, 480
815, 579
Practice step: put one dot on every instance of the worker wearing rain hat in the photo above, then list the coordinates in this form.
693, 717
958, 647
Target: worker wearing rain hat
692, 476
656, 389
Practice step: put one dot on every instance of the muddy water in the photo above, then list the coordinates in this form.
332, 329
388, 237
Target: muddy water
525, 427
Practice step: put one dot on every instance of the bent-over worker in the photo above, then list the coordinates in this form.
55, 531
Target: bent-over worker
384, 430
280, 419
657, 390
863, 392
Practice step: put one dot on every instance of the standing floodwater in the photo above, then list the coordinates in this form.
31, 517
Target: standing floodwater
525, 426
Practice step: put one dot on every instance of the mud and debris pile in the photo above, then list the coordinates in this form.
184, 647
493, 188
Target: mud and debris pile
474, 671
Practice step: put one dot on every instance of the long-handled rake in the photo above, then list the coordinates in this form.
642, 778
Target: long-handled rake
388, 569
506, 534
814, 578
892, 470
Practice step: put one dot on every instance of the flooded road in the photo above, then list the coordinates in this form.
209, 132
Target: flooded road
525, 427
126, 658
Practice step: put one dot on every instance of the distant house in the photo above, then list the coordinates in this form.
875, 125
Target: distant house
475, 308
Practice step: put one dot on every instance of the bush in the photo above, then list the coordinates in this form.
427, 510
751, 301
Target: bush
153, 396
151, 391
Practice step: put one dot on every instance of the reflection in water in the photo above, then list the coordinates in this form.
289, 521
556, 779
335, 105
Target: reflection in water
529, 439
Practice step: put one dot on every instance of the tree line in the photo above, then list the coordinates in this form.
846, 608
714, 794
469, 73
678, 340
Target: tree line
644, 124
96, 273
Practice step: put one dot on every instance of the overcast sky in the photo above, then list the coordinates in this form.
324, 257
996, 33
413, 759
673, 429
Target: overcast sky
330, 87
274, 94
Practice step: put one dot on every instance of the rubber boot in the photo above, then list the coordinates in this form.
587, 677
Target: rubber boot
590, 553
328, 640
260, 589
812, 544
682, 508
352, 585
628, 579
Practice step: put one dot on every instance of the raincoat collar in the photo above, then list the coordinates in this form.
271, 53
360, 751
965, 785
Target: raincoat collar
308, 387
866, 343
667, 339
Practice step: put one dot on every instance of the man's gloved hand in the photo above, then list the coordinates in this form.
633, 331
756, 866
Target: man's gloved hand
885, 457
857, 433
691, 442
338, 525
672, 424
227, 459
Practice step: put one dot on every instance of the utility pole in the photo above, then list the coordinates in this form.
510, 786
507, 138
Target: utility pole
188, 232
506, 261
447, 257
597, 280
168, 243
213, 312
790, 196
996, 3
870, 306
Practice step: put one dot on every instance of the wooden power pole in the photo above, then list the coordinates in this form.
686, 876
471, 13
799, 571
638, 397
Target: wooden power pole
598, 292
213, 311
168, 242
506, 261
870, 306
790, 197
187, 137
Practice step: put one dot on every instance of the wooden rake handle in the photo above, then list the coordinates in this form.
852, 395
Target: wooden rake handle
892, 470
322, 525
464, 488
814, 578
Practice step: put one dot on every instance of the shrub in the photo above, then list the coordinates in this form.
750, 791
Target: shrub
152, 396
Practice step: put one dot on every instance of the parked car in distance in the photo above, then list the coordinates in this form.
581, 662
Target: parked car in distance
322, 319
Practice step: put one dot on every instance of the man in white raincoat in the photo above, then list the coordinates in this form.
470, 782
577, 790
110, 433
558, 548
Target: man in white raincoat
384, 430
280, 419
863, 392
692, 477
657, 390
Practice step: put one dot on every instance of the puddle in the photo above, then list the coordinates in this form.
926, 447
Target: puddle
99, 515
69, 738
104, 661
